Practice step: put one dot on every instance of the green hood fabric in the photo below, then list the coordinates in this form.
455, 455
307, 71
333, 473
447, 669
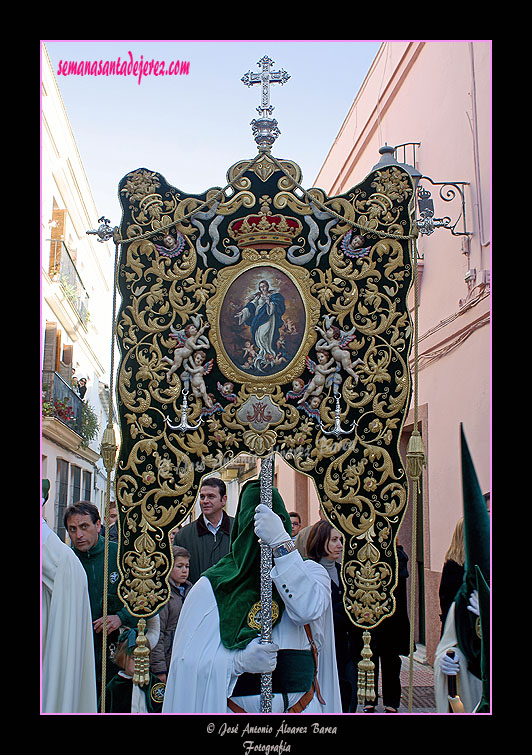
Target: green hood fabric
235, 579
477, 556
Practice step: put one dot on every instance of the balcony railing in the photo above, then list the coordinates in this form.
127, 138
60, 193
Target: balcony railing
63, 269
61, 402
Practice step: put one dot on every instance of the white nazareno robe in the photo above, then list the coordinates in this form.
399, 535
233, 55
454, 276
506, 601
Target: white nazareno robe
201, 675
469, 686
68, 668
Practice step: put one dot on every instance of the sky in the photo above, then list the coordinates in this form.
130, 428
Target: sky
193, 127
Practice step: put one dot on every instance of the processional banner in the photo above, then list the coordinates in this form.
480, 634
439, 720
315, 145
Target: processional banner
262, 318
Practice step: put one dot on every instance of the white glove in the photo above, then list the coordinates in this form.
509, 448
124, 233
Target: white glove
256, 658
269, 527
473, 603
449, 666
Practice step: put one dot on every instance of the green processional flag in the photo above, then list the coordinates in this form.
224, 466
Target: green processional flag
471, 640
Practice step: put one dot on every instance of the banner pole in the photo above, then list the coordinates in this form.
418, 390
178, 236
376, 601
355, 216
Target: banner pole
266, 485
108, 452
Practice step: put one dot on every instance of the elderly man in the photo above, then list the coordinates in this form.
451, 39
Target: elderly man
217, 659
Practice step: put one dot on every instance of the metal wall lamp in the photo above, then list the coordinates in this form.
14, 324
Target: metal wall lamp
449, 191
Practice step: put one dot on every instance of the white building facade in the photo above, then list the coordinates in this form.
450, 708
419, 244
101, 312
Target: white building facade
76, 313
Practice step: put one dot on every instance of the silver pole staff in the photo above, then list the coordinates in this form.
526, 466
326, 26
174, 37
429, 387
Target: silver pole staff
266, 485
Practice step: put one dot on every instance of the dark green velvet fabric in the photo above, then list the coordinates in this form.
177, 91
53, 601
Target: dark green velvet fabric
477, 555
235, 579
294, 673
118, 694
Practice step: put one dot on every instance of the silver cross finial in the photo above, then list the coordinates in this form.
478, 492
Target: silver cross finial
265, 129
265, 77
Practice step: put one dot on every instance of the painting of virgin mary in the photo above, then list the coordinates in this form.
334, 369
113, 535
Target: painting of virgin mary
264, 315
263, 321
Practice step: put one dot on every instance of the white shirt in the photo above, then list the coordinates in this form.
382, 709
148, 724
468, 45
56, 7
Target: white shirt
210, 526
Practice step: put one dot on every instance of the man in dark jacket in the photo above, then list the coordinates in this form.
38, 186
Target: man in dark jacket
83, 524
207, 538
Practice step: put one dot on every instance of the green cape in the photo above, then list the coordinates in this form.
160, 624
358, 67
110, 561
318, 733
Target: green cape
235, 579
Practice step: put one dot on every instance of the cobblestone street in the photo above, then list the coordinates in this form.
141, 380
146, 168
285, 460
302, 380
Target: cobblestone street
423, 700
423, 687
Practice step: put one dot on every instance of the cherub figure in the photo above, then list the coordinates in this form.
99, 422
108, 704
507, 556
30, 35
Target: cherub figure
171, 247
312, 407
195, 370
320, 369
279, 358
289, 326
189, 339
352, 244
249, 354
228, 391
336, 342
298, 386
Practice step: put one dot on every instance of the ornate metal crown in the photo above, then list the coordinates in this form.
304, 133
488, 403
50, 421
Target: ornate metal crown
264, 229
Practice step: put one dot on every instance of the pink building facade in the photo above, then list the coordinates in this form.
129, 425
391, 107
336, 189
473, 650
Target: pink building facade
435, 98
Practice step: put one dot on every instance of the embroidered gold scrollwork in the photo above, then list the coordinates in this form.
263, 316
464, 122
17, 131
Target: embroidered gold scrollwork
333, 406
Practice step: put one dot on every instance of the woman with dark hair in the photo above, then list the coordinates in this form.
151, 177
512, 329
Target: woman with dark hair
390, 640
324, 545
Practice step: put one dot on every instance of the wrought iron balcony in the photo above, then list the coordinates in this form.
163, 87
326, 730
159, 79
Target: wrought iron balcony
61, 402
63, 269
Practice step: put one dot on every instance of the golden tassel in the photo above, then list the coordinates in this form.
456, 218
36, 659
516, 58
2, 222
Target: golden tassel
108, 448
366, 673
141, 654
415, 458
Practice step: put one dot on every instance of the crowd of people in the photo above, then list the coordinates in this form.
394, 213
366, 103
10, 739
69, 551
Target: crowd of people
209, 628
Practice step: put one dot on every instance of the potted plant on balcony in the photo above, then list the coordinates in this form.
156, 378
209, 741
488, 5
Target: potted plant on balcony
59, 408
89, 424
63, 410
